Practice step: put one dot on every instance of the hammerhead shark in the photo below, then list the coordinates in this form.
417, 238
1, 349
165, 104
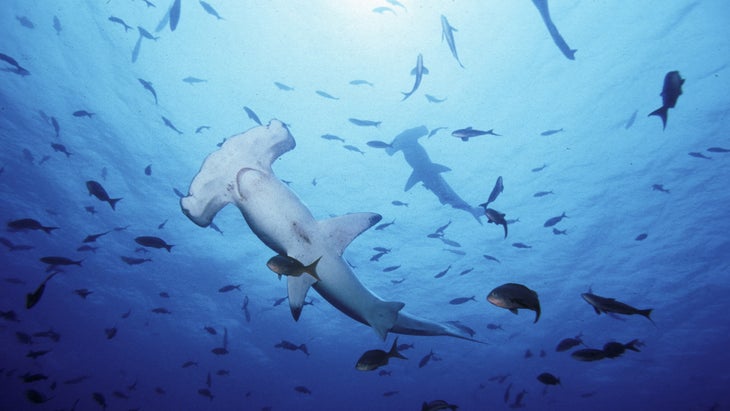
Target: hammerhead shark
426, 171
240, 173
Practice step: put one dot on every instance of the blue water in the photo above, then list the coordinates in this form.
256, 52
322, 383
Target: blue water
600, 170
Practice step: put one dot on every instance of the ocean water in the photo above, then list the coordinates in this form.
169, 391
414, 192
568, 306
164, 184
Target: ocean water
646, 207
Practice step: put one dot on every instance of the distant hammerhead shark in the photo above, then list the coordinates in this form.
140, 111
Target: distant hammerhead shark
542, 7
426, 171
240, 173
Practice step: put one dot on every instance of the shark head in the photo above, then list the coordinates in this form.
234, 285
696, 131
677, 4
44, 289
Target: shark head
215, 185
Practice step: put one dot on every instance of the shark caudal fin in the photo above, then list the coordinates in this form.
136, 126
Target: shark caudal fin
297, 288
340, 231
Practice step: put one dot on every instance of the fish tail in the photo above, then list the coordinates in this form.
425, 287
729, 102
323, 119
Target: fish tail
49, 229
406, 95
113, 202
662, 113
312, 268
168, 247
394, 351
632, 345
647, 313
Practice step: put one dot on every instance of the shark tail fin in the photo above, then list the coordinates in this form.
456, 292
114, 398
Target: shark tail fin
343, 229
383, 316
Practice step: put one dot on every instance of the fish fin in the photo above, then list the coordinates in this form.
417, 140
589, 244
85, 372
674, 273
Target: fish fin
662, 113
312, 269
412, 180
113, 202
297, 288
383, 317
439, 168
597, 310
647, 314
394, 351
343, 229
513, 311
425, 70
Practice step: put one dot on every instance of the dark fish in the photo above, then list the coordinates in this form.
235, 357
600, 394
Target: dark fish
378, 144
82, 292
641, 237
397, 281
210, 330
282, 86
60, 148
201, 128
384, 225
188, 364
50, 334
671, 91
210, 10
467, 271
699, 155
417, 71
528, 353
204, 391
630, 121
286, 345
28, 224
538, 169
615, 349
162, 224
513, 296
506, 393
56, 127
18, 69
496, 190
120, 395
548, 379
610, 305
462, 327
163, 294
153, 242
135, 261
442, 273
447, 33
285, 265
326, 95
492, 326
404, 347
174, 15
252, 115
353, 148
23, 338
457, 252
718, 150
90, 209
588, 354
279, 301
161, 310
462, 300
110, 332
14, 280
35, 397
374, 359
568, 343
9, 316
59, 261
127, 314
436, 405
31, 299
57, 25
230, 287
98, 191
521, 245
120, 21
554, 220
551, 132
391, 268
436, 130
390, 393
244, 307
466, 133
302, 389
83, 113
659, 187
148, 86
171, 126
28, 377
364, 123
428, 357
399, 203
489, 257
361, 82
93, 237
222, 372
542, 193
35, 354
25, 22
332, 137
497, 218
99, 398
397, 4
178, 192
193, 80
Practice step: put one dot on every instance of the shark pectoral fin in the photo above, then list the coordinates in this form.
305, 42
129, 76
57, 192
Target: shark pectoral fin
340, 231
439, 168
297, 288
412, 180
597, 310
383, 316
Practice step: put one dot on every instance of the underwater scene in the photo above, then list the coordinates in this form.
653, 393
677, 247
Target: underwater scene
364, 205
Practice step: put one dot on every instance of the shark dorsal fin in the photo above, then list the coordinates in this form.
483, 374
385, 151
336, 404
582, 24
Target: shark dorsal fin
340, 231
297, 288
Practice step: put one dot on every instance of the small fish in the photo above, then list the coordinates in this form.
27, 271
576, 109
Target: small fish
497, 218
383, 9
57, 25
59, 261
425, 360
289, 266
162, 224
82, 292
99, 398
178, 192
630, 121
83, 113
554, 220
98, 191
332, 137
432, 99
135, 261
443, 272
146, 34
25, 22
31, 299
364, 123
538, 169
93, 237
528, 354
447, 33
205, 392
252, 115
18, 69
230, 287
148, 170
302, 389
163, 294
383, 226
616, 349
378, 144
659, 187
492, 326
174, 15
548, 379
699, 155
287, 345
496, 191
542, 193
610, 305
210, 10
201, 128
467, 271
641, 237
282, 86
148, 86
56, 127
466, 133
417, 71
35, 397
391, 268
188, 364
361, 82
374, 359
399, 203
671, 91
396, 3
353, 148
718, 150
551, 132
588, 354
193, 80
35, 354
559, 232
457, 252
153, 242
436, 405
513, 296
390, 393
161, 310
567, 343
25, 224
521, 245
506, 393
326, 95
397, 281
462, 300
110, 332
169, 124
120, 21
489, 257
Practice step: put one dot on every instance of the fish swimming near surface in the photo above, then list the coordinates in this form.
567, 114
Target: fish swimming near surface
283, 223
201, 128
374, 359
117, 20
153, 242
326, 95
25, 22
193, 80
568, 343
148, 172
417, 71
98, 191
496, 191
93, 237
495, 217
610, 305
671, 91
551, 132
437, 405
230, 287
210, 10
171, 126
554, 220
378, 144
462, 300
361, 82
148, 86
25, 224
56, 127
466, 133
542, 7
285, 265
447, 33
383, 9
252, 115
18, 69
60, 148
83, 113
282, 86
174, 14
513, 296
432, 99
364, 123
332, 137
427, 172
57, 25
